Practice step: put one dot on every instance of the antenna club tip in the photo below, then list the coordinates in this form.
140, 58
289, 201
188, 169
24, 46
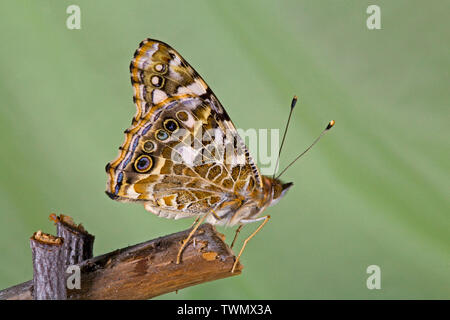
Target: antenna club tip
330, 124
294, 101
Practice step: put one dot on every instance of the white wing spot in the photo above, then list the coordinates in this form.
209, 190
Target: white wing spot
188, 155
175, 61
158, 96
194, 87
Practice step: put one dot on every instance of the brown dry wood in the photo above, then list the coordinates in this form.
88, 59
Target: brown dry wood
148, 269
78, 243
49, 281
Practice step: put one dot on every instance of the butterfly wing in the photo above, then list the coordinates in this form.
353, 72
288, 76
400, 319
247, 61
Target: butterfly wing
159, 72
182, 155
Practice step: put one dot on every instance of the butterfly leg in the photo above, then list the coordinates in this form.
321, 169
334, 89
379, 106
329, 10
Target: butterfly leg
266, 219
235, 235
198, 222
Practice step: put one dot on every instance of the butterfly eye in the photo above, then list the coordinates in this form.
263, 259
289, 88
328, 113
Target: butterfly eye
143, 164
171, 125
148, 146
182, 115
157, 81
161, 135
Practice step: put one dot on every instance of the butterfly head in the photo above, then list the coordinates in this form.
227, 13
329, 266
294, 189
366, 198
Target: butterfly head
275, 189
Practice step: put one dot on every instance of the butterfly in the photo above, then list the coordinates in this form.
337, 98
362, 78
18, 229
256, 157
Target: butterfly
182, 156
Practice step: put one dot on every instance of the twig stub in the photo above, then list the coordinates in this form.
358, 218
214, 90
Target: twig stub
78, 243
48, 267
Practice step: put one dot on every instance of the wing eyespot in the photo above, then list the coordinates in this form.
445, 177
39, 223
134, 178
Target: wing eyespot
161, 135
148, 146
182, 115
171, 125
160, 68
157, 81
143, 164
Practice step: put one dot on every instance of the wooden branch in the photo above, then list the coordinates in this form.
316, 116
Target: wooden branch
148, 269
49, 281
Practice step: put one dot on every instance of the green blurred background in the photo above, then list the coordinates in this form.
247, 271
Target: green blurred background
374, 191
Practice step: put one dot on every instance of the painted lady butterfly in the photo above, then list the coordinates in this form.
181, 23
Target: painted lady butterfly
182, 156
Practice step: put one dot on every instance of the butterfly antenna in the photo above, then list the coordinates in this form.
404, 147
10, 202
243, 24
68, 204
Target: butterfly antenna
294, 101
329, 126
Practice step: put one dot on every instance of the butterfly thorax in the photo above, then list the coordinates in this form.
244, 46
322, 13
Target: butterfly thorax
243, 208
